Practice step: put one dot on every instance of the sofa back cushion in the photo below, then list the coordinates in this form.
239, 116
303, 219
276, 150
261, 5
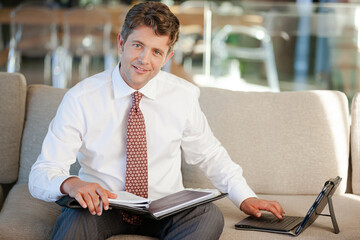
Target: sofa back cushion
12, 112
41, 106
355, 143
287, 143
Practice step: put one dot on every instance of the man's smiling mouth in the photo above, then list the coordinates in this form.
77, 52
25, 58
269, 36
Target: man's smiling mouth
139, 68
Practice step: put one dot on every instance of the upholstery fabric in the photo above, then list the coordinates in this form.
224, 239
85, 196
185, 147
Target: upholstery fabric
35, 218
355, 143
264, 132
41, 105
12, 99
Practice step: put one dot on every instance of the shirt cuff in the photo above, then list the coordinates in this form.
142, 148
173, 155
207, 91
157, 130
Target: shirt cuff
56, 182
239, 193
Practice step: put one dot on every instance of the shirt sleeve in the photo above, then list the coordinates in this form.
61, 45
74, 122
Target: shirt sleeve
59, 150
203, 149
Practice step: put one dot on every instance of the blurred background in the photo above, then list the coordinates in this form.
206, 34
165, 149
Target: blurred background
239, 45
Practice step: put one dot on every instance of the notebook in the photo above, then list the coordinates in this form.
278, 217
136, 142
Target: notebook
295, 225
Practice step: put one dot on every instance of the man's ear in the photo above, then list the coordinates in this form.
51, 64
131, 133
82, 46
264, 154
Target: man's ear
170, 54
121, 43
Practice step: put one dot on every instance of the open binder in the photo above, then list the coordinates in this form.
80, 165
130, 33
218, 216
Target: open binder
160, 208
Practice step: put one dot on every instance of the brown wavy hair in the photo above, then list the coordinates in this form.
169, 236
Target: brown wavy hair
155, 15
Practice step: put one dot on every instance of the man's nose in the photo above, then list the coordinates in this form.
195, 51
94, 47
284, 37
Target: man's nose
144, 57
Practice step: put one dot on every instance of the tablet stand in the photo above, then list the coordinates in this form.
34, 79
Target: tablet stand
332, 215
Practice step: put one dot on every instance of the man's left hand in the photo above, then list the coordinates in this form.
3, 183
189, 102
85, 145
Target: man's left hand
253, 206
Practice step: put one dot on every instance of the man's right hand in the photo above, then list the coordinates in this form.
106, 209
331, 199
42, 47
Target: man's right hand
87, 194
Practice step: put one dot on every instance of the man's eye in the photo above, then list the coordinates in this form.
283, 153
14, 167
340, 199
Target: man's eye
157, 53
136, 45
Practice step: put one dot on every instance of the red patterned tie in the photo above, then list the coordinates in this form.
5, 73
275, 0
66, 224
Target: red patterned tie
136, 181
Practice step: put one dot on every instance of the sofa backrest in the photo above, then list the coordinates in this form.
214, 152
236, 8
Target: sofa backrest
41, 105
12, 112
355, 143
287, 143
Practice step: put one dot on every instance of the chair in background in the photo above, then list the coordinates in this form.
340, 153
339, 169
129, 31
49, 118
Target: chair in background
222, 51
33, 33
190, 46
1, 35
3, 50
86, 39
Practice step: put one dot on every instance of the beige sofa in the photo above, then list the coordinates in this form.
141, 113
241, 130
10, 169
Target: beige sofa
288, 144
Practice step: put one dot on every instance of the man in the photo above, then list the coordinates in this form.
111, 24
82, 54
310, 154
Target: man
93, 122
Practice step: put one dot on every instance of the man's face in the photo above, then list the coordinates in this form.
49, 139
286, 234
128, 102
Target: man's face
143, 54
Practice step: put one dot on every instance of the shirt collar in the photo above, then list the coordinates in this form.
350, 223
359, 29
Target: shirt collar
121, 89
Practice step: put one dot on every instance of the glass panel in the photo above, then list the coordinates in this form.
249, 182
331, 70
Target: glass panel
314, 46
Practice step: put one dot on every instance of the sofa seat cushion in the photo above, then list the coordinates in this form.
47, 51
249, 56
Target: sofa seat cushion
35, 219
347, 211
24, 217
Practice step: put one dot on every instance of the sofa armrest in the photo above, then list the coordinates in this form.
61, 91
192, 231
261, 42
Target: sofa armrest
12, 112
355, 144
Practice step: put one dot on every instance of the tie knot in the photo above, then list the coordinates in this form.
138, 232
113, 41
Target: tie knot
136, 97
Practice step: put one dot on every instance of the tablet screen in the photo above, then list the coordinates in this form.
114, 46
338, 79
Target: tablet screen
319, 204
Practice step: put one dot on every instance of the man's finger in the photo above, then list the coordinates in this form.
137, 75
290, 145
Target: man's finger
96, 201
103, 194
257, 214
80, 200
89, 202
275, 208
111, 194
251, 210
279, 208
275, 212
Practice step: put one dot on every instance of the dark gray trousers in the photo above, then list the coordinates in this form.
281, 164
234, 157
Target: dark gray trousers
203, 222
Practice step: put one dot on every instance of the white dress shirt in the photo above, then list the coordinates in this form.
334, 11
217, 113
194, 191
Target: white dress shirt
90, 125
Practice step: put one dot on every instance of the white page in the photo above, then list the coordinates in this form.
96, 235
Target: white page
129, 199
